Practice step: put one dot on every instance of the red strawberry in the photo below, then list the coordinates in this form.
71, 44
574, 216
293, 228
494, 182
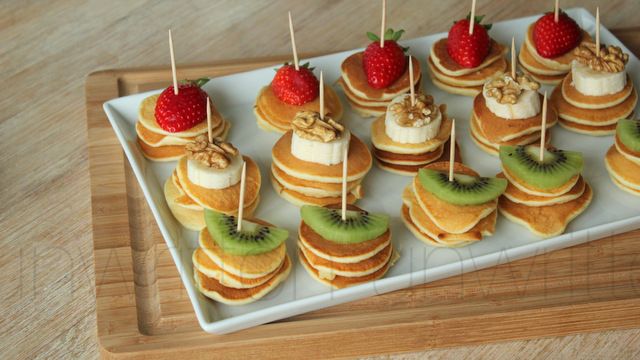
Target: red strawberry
180, 112
384, 65
469, 50
552, 38
295, 87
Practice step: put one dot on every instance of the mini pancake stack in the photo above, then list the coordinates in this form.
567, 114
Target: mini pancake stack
454, 213
237, 267
408, 136
623, 158
597, 92
508, 112
307, 161
208, 177
342, 253
543, 195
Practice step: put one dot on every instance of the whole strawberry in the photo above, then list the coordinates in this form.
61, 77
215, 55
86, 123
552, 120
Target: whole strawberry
552, 38
180, 112
295, 87
384, 65
469, 50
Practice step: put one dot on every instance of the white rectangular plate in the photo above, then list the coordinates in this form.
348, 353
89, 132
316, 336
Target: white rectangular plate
612, 210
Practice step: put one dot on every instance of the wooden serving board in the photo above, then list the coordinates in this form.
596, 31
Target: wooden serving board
143, 310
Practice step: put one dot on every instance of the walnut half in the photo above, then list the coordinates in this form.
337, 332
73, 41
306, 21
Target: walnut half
611, 58
421, 113
506, 90
217, 155
308, 125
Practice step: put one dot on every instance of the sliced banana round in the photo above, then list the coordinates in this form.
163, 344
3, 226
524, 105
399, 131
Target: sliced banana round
212, 178
527, 105
325, 153
596, 83
418, 133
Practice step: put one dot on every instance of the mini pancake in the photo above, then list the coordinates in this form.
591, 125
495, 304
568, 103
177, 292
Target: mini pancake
562, 62
412, 170
146, 115
476, 78
212, 288
328, 270
210, 269
497, 129
588, 129
308, 187
341, 253
518, 196
382, 141
264, 124
360, 162
579, 100
543, 79
371, 103
356, 80
443, 62
340, 282
631, 155
247, 266
484, 227
456, 90
593, 117
362, 110
408, 159
623, 187
522, 140
622, 169
455, 219
406, 219
546, 221
531, 190
299, 199
157, 140
221, 200
162, 153
280, 114
530, 63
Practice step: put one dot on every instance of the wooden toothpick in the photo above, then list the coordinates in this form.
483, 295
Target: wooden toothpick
556, 11
384, 22
209, 120
472, 20
243, 178
413, 92
293, 44
598, 31
513, 58
173, 64
543, 133
344, 184
321, 96
452, 150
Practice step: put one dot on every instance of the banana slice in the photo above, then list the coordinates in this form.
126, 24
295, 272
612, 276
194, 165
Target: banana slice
527, 105
596, 83
325, 153
409, 134
212, 178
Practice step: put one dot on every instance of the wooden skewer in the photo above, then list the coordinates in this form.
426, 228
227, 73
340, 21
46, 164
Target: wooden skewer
243, 178
543, 133
321, 96
452, 150
209, 120
413, 92
472, 20
344, 184
173, 65
384, 22
598, 31
556, 11
513, 58
293, 44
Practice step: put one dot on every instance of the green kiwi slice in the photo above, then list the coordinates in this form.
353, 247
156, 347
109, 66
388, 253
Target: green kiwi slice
557, 168
464, 189
628, 132
253, 239
359, 225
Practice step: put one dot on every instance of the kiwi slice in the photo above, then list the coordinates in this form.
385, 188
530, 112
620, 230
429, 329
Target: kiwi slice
628, 132
253, 239
359, 225
464, 189
557, 168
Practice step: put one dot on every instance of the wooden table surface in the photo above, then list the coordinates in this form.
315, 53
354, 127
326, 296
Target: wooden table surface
48, 47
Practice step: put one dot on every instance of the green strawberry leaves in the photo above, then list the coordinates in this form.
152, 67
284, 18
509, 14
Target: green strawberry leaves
478, 20
390, 34
198, 82
306, 65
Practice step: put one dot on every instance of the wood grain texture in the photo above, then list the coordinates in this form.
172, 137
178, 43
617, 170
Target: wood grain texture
46, 262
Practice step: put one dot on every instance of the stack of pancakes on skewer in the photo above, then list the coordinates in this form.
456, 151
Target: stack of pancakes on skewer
623, 158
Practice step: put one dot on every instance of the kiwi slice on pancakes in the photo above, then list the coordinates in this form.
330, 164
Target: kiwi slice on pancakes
464, 189
628, 132
359, 225
253, 239
555, 170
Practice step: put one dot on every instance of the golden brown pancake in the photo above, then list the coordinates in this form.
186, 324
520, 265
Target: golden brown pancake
356, 80
593, 117
359, 161
497, 129
493, 148
408, 159
622, 169
623, 187
457, 90
406, 219
183, 200
562, 62
328, 269
308, 187
210, 269
246, 266
280, 114
588, 129
146, 115
155, 140
299, 199
264, 124
476, 78
443, 62
523, 186
382, 141
340, 282
543, 79
631, 155
221, 200
518, 196
455, 219
546, 221
212, 288
530, 63
579, 100
411, 170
